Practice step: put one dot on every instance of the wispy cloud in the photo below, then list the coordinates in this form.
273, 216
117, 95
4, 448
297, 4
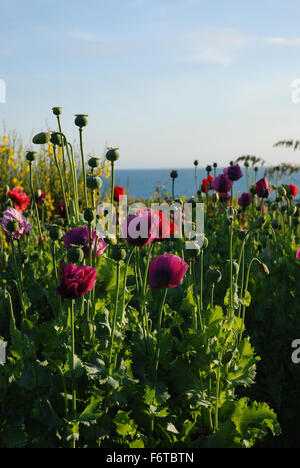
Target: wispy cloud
283, 41
217, 45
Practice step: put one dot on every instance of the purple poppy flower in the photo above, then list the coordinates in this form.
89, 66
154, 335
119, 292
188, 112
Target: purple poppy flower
245, 200
14, 215
263, 188
222, 184
80, 236
167, 271
233, 172
141, 228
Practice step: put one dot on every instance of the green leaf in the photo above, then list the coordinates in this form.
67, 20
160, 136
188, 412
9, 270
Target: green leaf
125, 426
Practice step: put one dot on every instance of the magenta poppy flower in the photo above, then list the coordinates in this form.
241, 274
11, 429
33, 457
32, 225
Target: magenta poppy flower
298, 254
245, 200
263, 188
233, 172
167, 271
222, 184
80, 236
76, 281
24, 226
141, 228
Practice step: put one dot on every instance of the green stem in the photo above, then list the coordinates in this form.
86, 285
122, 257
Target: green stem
73, 364
114, 318
83, 167
36, 211
217, 399
124, 285
62, 184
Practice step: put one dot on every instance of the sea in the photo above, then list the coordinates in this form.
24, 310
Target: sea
142, 183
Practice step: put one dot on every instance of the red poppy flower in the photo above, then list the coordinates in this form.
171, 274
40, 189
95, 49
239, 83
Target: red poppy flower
293, 190
166, 227
207, 185
118, 193
20, 199
76, 281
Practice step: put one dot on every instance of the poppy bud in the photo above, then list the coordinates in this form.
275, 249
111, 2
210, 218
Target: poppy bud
81, 120
75, 254
235, 267
89, 215
55, 233
215, 165
57, 139
246, 164
112, 154
292, 211
12, 225
41, 138
174, 174
31, 156
264, 268
57, 110
93, 182
213, 275
215, 197
282, 191
38, 193
118, 254
94, 162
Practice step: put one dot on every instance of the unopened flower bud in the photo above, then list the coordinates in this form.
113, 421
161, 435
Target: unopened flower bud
174, 174
57, 139
55, 233
118, 254
264, 268
57, 110
94, 162
282, 191
208, 169
41, 138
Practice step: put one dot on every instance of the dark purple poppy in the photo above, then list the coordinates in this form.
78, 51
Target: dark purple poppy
245, 200
167, 271
263, 188
80, 236
222, 184
76, 281
233, 172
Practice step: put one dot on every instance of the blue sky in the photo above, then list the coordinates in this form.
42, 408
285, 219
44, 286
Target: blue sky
166, 81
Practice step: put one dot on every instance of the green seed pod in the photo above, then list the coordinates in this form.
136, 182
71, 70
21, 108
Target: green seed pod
118, 254
111, 240
246, 164
196, 162
57, 110
31, 156
75, 254
41, 138
215, 165
12, 225
3, 260
93, 182
55, 233
81, 120
57, 139
112, 154
208, 168
213, 275
89, 215
94, 162
174, 174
